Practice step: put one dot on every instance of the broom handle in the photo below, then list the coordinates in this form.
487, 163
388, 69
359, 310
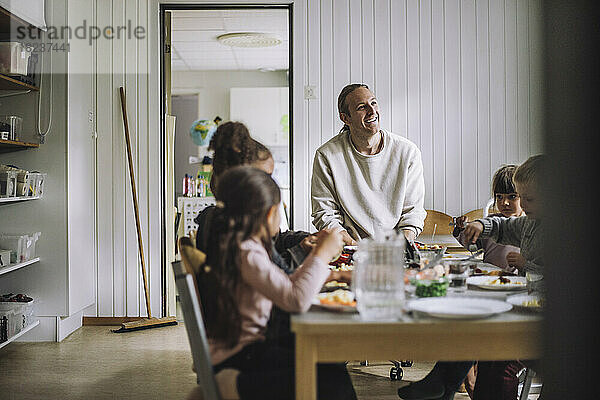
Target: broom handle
135, 202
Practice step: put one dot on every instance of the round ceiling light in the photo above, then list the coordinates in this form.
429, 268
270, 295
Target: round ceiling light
249, 39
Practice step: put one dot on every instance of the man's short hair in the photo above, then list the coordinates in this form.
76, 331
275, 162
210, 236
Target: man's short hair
342, 105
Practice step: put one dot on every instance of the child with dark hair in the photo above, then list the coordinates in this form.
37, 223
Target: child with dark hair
508, 204
233, 146
239, 284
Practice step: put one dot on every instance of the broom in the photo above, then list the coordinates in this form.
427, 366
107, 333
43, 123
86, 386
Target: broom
150, 322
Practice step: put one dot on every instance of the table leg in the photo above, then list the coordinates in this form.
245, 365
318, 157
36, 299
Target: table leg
306, 368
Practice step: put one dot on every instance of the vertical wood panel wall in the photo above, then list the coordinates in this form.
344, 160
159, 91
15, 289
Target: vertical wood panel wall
459, 78
126, 63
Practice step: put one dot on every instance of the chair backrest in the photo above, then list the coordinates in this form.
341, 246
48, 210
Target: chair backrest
474, 214
192, 316
437, 221
482, 212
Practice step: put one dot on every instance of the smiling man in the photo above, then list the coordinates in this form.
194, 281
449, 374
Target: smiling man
367, 181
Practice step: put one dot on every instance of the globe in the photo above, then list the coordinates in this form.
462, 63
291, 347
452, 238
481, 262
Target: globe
202, 131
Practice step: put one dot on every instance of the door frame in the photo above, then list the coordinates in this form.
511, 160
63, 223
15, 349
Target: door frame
168, 6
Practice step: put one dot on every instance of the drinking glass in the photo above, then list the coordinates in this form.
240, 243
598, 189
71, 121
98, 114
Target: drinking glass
535, 282
458, 272
378, 278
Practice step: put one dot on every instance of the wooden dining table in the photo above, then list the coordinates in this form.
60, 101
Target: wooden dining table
325, 337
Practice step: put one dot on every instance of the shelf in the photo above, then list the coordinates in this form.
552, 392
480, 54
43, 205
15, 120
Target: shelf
11, 145
12, 267
18, 335
17, 199
9, 83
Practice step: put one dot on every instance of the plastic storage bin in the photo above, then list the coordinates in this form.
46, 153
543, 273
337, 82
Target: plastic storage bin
8, 183
4, 258
13, 124
22, 247
18, 315
7, 324
37, 183
14, 58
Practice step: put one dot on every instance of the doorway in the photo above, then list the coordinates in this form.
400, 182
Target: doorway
230, 63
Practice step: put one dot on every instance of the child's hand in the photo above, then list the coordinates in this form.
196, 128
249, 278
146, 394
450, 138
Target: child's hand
340, 276
472, 231
329, 244
308, 243
516, 260
461, 221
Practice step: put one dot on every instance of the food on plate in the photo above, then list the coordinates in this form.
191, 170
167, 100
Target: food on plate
342, 267
504, 281
344, 262
423, 246
332, 284
533, 303
496, 272
431, 287
338, 297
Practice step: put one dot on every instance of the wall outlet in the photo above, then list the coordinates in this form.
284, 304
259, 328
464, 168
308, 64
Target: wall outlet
310, 92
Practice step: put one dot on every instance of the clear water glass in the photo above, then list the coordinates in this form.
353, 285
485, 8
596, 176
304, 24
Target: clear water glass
378, 278
535, 282
458, 272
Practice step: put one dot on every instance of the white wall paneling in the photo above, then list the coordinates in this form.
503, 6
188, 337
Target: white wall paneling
132, 64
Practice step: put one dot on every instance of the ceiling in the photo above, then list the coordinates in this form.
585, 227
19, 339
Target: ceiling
195, 46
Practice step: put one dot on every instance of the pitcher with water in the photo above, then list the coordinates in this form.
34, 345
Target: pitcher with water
378, 277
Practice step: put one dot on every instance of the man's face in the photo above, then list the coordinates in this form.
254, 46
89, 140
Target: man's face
363, 112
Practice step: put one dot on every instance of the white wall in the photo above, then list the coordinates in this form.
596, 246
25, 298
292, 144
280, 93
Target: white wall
213, 87
462, 79
133, 65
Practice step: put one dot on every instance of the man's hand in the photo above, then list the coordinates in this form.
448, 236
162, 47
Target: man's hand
516, 260
409, 234
348, 241
472, 231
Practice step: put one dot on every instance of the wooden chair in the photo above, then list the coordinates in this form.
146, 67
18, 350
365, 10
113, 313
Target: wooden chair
474, 214
437, 222
185, 278
482, 212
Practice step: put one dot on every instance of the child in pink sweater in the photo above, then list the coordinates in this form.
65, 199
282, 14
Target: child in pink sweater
240, 284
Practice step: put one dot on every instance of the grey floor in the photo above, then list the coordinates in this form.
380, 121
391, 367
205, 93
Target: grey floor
94, 363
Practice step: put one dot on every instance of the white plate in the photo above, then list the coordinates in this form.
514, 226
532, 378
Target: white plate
334, 307
485, 268
492, 282
459, 307
519, 301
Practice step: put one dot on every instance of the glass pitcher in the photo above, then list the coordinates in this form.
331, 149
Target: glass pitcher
378, 277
